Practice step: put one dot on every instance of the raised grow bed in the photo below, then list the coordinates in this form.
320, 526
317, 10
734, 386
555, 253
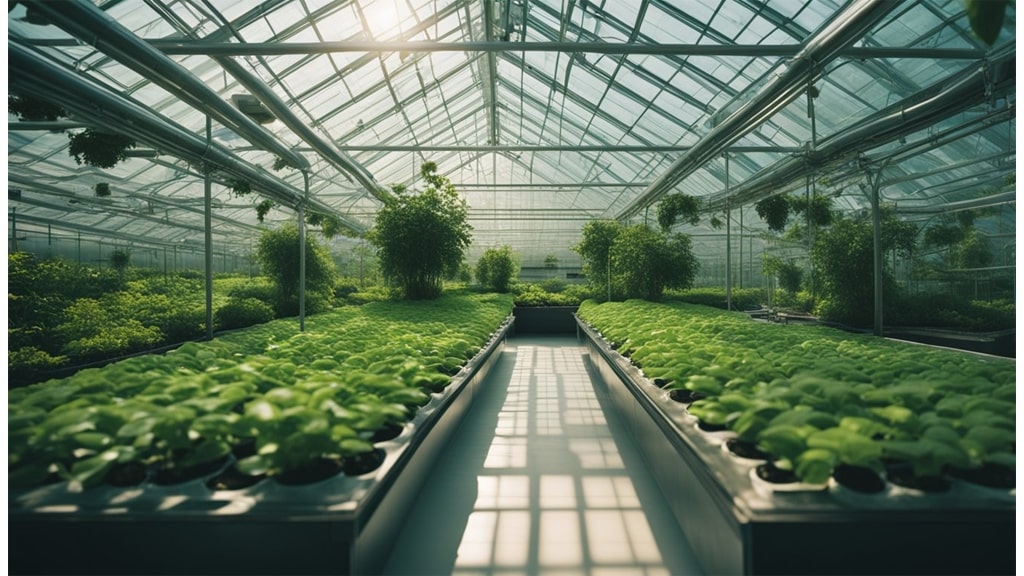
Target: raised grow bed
264, 451
807, 450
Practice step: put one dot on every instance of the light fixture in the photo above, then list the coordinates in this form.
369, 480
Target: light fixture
253, 108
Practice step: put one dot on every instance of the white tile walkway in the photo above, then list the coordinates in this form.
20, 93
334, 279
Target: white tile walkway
541, 478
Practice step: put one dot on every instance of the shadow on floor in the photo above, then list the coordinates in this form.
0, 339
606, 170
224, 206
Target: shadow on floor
541, 477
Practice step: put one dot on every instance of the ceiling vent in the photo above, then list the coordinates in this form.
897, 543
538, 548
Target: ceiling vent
253, 108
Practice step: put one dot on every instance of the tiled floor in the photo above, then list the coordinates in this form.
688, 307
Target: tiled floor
541, 478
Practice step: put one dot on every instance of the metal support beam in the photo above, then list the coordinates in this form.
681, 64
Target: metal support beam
181, 48
819, 50
208, 236
875, 182
728, 243
302, 254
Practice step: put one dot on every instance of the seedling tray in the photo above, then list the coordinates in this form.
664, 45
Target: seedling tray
342, 525
739, 524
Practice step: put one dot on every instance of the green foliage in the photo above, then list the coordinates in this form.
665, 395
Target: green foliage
972, 252
645, 262
278, 255
788, 272
548, 293
742, 298
119, 260
421, 238
675, 208
843, 258
986, 18
98, 148
238, 187
242, 312
814, 397
330, 225
595, 246
774, 210
321, 393
551, 262
263, 208
34, 110
496, 268
818, 209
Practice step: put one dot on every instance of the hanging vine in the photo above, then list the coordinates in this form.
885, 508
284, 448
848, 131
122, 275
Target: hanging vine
676, 208
774, 210
98, 148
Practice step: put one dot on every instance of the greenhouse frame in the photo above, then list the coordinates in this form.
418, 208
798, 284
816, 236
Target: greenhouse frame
823, 193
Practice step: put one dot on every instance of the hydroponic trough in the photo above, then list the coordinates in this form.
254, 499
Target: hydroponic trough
738, 524
338, 526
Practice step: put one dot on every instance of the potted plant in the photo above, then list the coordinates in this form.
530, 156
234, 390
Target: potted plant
102, 189
774, 210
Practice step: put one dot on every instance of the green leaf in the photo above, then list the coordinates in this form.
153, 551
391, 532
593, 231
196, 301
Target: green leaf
815, 466
986, 18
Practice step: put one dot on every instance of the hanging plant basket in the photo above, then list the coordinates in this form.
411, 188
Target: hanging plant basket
100, 149
263, 208
34, 110
675, 208
102, 189
774, 210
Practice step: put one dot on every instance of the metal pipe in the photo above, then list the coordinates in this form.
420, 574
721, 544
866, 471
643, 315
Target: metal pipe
823, 47
302, 254
208, 235
208, 48
728, 243
86, 21
31, 74
941, 100
321, 146
876, 225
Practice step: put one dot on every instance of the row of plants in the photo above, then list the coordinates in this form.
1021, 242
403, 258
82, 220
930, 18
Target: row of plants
275, 401
816, 402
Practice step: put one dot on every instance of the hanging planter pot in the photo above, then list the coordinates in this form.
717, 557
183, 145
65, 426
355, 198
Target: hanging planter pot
774, 210
102, 189
678, 207
99, 149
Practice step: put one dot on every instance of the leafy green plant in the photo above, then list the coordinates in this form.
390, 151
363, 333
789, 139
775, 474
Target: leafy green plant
102, 189
98, 148
278, 252
422, 237
595, 246
675, 208
774, 210
263, 207
496, 268
32, 109
645, 262
242, 312
119, 261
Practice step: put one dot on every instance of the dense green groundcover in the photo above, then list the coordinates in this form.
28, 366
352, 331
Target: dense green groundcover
813, 397
280, 400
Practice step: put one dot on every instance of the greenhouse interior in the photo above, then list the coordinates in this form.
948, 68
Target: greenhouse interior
511, 287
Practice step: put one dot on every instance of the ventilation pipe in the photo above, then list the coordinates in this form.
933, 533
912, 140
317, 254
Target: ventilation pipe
90, 24
937, 102
823, 47
84, 18
31, 74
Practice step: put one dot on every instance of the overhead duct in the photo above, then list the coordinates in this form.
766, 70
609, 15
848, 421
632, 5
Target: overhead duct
85, 21
819, 50
926, 108
31, 74
265, 96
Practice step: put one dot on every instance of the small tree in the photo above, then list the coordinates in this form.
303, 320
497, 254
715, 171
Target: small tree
595, 246
642, 262
422, 237
277, 253
496, 268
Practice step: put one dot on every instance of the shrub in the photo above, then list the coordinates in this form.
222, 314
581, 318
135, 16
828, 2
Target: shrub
242, 312
645, 262
496, 268
742, 298
422, 238
553, 285
278, 252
